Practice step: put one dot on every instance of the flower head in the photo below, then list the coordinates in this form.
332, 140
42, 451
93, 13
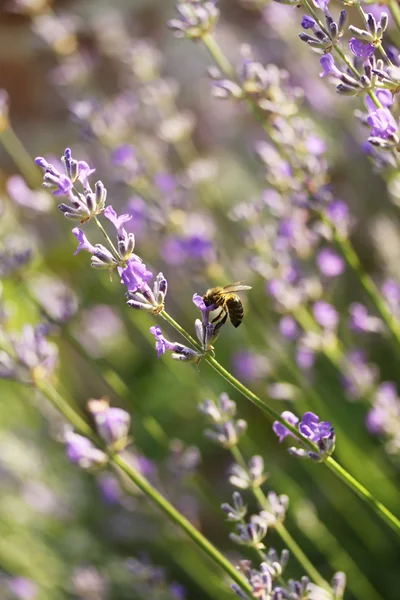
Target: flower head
112, 424
135, 275
82, 452
312, 428
328, 66
179, 351
330, 263
361, 49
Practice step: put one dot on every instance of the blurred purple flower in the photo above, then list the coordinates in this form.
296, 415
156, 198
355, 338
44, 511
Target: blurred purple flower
385, 97
288, 327
383, 123
358, 377
112, 423
82, 452
305, 356
361, 49
391, 293
123, 155
279, 429
325, 315
330, 263
23, 588
22, 195
360, 320
249, 366
312, 428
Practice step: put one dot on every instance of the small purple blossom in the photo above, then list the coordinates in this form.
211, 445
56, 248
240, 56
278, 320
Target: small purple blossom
84, 243
385, 98
288, 327
279, 429
330, 263
112, 423
179, 351
22, 588
361, 49
82, 452
360, 320
307, 22
312, 428
135, 275
117, 221
325, 315
383, 123
328, 67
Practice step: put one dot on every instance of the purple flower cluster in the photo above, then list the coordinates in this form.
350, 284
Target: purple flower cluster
31, 356
311, 428
112, 425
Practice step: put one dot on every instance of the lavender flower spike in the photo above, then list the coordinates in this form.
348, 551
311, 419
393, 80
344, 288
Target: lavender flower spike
84, 204
179, 351
206, 332
112, 424
101, 257
82, 452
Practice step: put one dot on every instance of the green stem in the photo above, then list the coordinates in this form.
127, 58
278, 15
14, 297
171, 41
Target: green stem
281, 530
181, 522
351, 257
395, 11
350, 481
107, 238
272, 414
64, 408
363, 493
17, 151
174, 515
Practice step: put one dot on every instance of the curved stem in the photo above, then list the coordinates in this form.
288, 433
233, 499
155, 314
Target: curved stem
162, 503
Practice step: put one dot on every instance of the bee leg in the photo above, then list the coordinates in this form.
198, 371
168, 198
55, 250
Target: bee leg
221, 322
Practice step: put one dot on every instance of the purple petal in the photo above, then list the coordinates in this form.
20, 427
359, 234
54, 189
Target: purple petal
84, 243
361, 49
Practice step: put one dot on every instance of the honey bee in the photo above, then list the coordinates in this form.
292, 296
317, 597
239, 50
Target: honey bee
229, 302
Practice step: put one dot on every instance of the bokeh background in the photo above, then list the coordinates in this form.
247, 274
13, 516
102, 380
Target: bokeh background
84, 75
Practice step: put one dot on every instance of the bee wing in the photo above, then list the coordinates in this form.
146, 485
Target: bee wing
235, 287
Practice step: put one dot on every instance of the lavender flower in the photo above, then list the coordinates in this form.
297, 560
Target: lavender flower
310, 427
329, 263
384, 417
252, 477
361, 321
325, 315
358, 377
249, 534
31, 356
179, 352
82, 205
82, 452
112, 424
25, 198
22, 588
196, 18
206, 332
279, 429
237, 511
225, 430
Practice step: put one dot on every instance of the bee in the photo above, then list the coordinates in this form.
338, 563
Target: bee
229, 302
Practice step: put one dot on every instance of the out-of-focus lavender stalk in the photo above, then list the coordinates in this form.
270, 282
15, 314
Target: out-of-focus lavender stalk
174, 515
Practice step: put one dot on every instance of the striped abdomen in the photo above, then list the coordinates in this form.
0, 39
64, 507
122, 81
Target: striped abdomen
234, 307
